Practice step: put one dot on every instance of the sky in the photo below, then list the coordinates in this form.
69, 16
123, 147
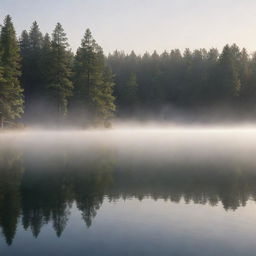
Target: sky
142, 25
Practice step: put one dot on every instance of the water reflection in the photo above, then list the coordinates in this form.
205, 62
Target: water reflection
40, 186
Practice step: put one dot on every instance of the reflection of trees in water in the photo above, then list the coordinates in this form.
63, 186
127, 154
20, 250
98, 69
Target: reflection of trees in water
51, 186
200, 184
92, 178
46, 195
10, 179
47, 189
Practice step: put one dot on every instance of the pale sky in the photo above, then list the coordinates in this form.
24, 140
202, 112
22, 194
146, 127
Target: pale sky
142, 25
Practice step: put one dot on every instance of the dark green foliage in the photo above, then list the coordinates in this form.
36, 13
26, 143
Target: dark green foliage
11, 93
32, 71
129, 94
46, 55
25, 63
50, 75
60, 85
46, 73
230, 84
34, 57
31, 46
192, 81
93, 83
107, 105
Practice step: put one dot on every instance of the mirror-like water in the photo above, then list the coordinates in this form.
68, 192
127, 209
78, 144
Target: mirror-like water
128, 192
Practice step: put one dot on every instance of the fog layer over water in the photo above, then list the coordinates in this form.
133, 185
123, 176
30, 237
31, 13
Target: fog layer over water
128, 191
163, 143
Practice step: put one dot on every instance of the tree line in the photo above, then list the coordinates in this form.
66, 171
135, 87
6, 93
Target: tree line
189, 81
41, 80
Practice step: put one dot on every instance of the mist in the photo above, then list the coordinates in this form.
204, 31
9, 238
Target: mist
152, 141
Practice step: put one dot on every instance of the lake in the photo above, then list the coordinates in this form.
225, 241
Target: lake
153, 191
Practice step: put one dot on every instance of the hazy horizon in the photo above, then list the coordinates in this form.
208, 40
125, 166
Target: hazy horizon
142, 25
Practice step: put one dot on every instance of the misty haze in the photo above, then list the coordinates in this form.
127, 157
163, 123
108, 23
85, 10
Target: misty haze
127, 128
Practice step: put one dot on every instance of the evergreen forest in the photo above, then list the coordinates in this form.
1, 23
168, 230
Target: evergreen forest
43, 81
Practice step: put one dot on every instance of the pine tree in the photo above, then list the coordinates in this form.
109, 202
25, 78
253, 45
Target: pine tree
211, 79
60, 83
45, 64
34, 72
31, 46
25, 63
229, 73
245, 71
11, 93
35, 37
93, 82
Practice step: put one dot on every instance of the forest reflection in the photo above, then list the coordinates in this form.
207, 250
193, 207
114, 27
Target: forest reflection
38, 187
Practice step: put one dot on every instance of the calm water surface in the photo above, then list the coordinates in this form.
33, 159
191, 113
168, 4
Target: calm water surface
128, 192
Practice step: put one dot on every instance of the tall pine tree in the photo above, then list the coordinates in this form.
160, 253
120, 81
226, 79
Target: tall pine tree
60, 84
25, 63
93, 82
34, 72
45, 64
11, 93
